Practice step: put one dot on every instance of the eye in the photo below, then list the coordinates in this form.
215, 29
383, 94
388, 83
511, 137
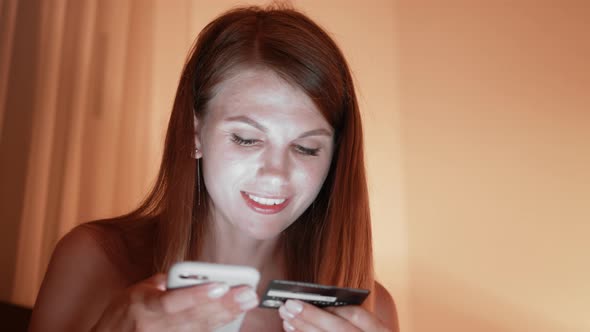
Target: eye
306, 151
244, 141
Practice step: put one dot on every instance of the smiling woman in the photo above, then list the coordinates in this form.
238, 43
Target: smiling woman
263, 166
266, 145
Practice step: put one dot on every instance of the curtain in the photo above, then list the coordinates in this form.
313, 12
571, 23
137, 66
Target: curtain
84, 106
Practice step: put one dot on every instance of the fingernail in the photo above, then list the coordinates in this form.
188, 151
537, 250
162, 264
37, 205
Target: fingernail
218, 291
285, 314
249, 305
245, 296
294, 307
287, 326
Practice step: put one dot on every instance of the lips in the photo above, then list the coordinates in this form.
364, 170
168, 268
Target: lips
265, 205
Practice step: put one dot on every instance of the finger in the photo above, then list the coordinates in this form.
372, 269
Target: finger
358, 316
241, 298
208, 298
176, 300
299, 325
237, 300
201, 318
306, 317
148, 291
220, 311
157, 280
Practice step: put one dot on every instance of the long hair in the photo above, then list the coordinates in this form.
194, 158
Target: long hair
330, 243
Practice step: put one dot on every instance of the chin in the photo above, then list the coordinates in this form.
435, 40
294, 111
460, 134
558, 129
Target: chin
262, 234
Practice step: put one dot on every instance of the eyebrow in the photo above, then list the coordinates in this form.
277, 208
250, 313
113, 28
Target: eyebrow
255, 124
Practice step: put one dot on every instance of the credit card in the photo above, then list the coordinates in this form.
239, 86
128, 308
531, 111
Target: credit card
279, 291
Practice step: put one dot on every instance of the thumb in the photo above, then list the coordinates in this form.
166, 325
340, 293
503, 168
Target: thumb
157, 280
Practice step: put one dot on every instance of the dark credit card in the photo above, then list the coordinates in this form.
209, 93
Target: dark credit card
279, 291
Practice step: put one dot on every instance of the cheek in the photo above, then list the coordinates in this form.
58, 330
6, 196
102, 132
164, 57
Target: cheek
227, 168
222, 168
311, 176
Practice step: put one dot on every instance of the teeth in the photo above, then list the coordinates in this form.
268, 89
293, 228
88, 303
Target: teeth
267, 201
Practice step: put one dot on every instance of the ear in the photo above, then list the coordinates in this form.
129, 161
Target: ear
198, 152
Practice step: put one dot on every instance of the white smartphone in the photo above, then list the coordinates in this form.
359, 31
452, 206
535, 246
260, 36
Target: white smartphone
186, 274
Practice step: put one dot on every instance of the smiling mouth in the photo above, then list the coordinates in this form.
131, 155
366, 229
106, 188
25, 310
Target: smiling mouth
264, 205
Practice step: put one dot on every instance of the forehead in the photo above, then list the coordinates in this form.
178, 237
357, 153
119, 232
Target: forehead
259, 90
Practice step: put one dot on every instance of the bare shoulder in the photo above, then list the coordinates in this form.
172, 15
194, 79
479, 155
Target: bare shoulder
79, 282
385, 308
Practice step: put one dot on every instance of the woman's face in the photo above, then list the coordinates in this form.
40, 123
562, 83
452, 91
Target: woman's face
266, 151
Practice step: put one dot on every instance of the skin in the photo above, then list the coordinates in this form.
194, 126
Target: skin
260, 136
264, 137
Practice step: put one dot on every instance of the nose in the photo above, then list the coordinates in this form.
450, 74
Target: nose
274, 168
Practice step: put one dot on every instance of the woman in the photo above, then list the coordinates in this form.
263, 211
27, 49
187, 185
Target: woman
262, 166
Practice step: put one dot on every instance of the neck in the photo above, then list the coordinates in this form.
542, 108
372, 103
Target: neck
225, 244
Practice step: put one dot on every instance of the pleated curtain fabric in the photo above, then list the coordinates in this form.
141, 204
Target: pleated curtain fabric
82, 121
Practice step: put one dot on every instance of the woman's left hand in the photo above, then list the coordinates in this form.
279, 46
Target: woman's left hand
304, 317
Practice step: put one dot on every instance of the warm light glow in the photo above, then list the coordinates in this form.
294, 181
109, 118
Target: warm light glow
477, 126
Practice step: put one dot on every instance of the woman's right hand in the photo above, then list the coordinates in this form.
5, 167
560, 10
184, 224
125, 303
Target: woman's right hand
148, 306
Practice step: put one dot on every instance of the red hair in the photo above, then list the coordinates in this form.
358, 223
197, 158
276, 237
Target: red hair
330, 243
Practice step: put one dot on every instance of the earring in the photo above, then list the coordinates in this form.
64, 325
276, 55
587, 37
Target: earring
195, 154
199, 181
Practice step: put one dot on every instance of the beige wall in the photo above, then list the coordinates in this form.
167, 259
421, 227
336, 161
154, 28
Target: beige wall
495, 108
